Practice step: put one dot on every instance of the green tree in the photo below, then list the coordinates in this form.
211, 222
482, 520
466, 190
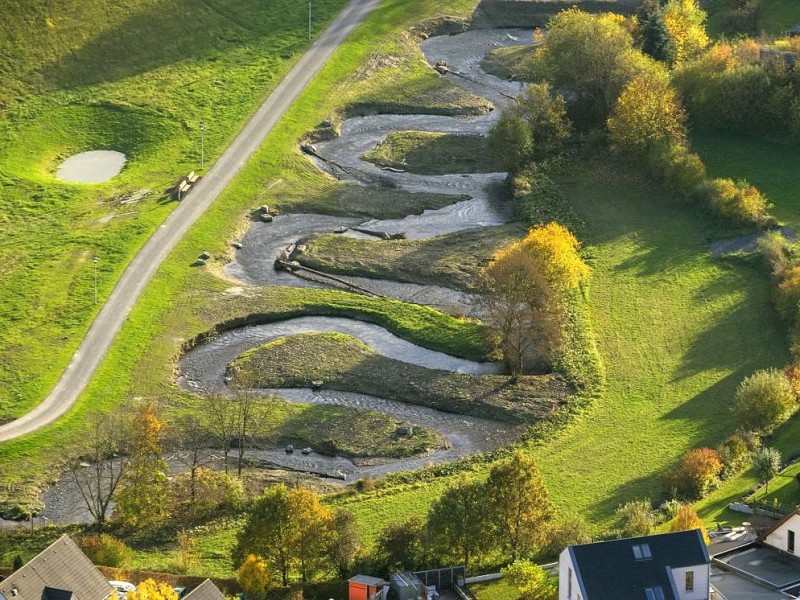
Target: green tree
531, 580
656, 40
635, 519
288, 529
764, 400
510, 140
767, 462
593, 57
401, 546
344, 543
268, 532
519, 505
143, 501
458, 524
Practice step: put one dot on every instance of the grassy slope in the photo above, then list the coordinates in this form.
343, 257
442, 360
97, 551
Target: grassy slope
136, 76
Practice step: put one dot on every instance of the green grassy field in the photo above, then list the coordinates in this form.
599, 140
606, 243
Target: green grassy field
134, 76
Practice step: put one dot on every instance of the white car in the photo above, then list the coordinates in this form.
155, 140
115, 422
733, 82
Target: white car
122, 587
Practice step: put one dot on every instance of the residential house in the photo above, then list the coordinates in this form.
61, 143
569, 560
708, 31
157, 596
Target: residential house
205, 591
60, 572
785, 534
668, 566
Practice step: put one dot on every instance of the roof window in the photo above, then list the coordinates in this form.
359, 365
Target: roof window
654, 593
642, 551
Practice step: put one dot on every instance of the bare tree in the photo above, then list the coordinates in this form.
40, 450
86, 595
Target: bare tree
250, 415
220, 419
100, 462
193, 447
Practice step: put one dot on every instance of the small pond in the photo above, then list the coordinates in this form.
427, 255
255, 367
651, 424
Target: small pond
94, 166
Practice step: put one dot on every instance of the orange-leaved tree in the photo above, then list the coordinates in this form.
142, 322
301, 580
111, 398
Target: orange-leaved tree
687, 519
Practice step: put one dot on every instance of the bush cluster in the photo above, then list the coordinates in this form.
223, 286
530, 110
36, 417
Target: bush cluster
105, 550
697, 474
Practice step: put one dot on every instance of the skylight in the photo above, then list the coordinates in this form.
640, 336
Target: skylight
642, 551
654, 593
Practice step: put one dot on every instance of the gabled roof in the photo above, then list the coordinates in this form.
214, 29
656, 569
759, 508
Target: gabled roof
60, 572
777, 525
623, 569
205, 591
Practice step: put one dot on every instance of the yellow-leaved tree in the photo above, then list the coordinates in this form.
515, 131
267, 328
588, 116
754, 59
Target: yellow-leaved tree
150, 589
687, 519
523, 292
648, 112
686, 23
253, 576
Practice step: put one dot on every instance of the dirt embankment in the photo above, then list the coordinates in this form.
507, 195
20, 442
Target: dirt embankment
536, 13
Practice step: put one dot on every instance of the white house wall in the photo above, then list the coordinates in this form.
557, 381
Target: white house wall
701, 582
780, 537
565, 566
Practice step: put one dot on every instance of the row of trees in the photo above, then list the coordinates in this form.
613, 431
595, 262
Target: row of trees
120, 459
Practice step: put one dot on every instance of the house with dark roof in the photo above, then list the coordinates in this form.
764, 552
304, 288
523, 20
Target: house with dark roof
60, 572
668, 566
205, 591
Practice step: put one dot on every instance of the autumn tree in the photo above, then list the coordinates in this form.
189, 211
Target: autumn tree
685, 22
531, 580
253, 576
687, 520
99, 462
219, 418
519, 505
697, 473
143, 501
458, 523
250, 415
647, 113
289, 529
213, 491
344, 543
764, 400
593, 57
150, 589
192, 448
524, 291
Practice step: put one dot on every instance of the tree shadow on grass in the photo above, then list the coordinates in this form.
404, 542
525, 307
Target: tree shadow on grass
172, 31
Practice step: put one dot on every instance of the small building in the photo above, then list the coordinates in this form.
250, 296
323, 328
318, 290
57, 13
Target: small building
60, 572
669, 566
364, 587
407, 586
783, 535
205, 591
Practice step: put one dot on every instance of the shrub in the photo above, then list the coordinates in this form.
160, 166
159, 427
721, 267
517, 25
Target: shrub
538, 200
105, 550
738, 201
210, 491
787, 294
764, 400
681, 171
777, 252
736, 452
635, 519
670, 508
567, 531
253, 576
697, 474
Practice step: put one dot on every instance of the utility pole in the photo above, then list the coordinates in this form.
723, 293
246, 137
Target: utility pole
94, 260
202, 146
